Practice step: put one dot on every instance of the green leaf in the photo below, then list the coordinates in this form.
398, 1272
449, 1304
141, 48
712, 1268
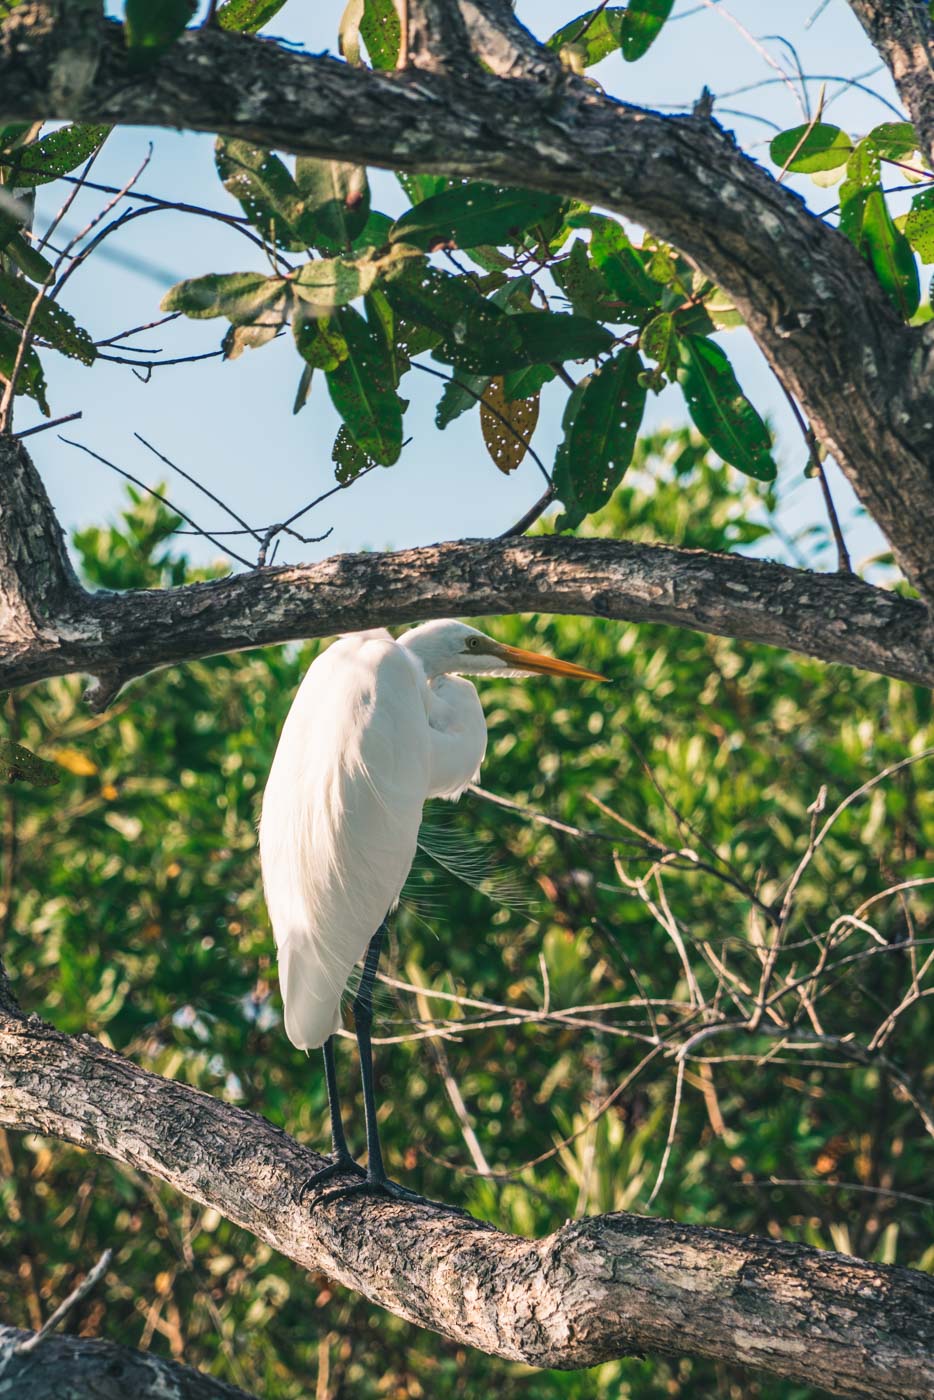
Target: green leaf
55, 155
622, 266
336, 197
642, 24
247, 16
155, 24
349, 458
319, 341
462, 392
601, 424
523, 383
584, 285
894, 140
30, 379
21, 765
439, 301
49, 320
469, 215
19, 251
658, 337
363, 392
919, 225
304, 388
804, 149
602, 35
265, 190
890, 254
720, 409
240, 296
375, 232
528, 338
379, 27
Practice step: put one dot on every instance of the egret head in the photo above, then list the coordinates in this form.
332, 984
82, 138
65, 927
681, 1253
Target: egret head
452, 648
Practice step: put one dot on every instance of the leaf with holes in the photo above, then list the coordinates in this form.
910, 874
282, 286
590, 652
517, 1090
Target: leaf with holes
919, 225
22, 765
584, 285
265, 191
50, 321
658, 339
152, 25
507, 425
379, 27
622, 266
440, 302
247, 16
528, 338
319, 342
806, 149
470, 215
55, 155
641, 25
363, 392
30, 379
894, 140
720, 409
336, 198
601, 423
595, 34
349, 458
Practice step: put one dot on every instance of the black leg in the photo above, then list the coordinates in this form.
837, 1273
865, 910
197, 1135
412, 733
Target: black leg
343, 1162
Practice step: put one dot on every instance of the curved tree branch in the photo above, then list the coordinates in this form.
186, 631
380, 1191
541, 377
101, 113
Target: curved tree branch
815, 308
595, 1290
73, 1368
832, 616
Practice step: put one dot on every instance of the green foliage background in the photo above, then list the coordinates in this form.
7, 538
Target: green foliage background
132, 910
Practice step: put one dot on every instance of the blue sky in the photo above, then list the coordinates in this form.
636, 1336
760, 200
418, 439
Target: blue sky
231, 424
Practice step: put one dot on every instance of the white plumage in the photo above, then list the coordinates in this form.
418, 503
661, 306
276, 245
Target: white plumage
376, 728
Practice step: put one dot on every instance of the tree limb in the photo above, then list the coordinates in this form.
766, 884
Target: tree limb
902, 32
595, 1290
831, 616
824, 322
74, 1368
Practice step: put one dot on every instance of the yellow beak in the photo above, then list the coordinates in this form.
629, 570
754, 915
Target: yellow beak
543, 665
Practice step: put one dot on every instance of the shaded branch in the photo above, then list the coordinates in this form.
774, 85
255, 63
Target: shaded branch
902, 31
595, 1290
73, 1368
864, 380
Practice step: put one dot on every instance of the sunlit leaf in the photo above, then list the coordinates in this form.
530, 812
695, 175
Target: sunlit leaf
247, 16
804, 149
890, 254
641, 25
379, 27
326, 283
919, 225
720, 409
240, 296
601, 424
602, 33
894, 140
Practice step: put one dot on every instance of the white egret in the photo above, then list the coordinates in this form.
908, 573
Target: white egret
376, 728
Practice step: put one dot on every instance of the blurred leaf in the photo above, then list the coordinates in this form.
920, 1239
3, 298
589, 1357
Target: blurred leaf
155, 24
247, 16
658, 338
336, 196
379, 27
21, 765
54, 155
326, 283
642, 23
894, 140
319, 341
601, 424
720, 409
304, 389
21, 252
507, 425
30, 379
250, 336
919, 225
362, 390
603, 33
467, 215
243, 297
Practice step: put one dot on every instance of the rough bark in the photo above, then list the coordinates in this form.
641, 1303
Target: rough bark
832, 616
75, 1368
596, 1289
903, 33
816, 310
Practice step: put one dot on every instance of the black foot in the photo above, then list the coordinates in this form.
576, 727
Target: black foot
383, 1186
343, 1165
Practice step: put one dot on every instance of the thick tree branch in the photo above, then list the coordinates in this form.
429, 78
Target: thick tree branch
831, 616
903, 33
828, 329
594, 1290
74, 1368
